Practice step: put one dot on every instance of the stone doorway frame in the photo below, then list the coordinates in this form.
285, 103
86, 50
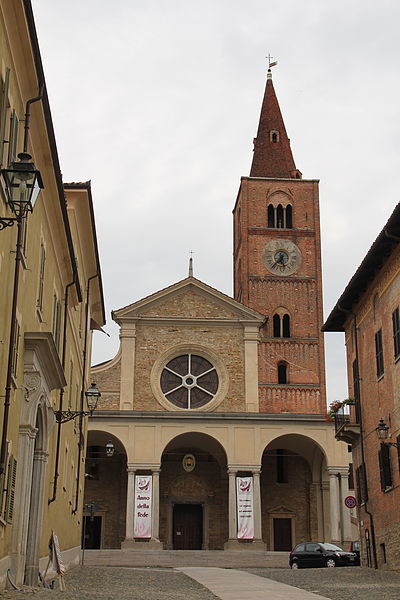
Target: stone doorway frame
170, 518
281, 512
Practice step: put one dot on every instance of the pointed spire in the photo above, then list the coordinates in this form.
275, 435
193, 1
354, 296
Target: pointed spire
191, 266
272, 154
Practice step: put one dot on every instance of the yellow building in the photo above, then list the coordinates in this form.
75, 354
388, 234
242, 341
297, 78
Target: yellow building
51, 299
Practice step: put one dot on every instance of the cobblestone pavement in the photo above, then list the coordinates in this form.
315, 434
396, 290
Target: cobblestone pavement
346, 583
113, 583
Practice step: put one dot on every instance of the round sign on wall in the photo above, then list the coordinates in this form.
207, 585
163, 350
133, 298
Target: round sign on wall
350, 501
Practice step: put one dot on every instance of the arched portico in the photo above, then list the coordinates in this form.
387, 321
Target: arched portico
300, 494
104, 523
193, 493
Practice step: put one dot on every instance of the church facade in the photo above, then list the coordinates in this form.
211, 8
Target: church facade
216, 405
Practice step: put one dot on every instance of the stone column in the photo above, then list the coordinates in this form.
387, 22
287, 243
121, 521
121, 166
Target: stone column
334, 498
153, 543
345, 512
232, 519
130, 496
257, 505
155, 515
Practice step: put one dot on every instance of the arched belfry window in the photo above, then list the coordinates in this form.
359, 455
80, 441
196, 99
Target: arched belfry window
281, 325
280, 216
280, 222
271, 215
289, 222
282, 372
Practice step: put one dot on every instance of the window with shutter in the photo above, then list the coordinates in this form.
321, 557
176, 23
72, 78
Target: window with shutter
379, 354
385, 467
39, 302
13, 138
3, 111
396, 332
11, 480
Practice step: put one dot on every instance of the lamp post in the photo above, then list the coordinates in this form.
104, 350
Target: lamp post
22, 183
382, 431
92, 397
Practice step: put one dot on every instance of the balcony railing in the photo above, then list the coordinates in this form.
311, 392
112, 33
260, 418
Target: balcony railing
347, 426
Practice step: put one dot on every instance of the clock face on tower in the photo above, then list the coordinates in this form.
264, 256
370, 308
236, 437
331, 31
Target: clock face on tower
281, 257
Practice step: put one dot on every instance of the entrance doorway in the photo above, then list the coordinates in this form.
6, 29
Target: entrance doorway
282, 535
92, 533
188, 527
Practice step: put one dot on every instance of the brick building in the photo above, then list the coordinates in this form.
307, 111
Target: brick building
368, 313
208, 392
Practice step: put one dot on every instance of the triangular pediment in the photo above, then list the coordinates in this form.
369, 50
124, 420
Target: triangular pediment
189, 299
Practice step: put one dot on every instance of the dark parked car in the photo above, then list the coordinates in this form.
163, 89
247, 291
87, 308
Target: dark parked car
320, 554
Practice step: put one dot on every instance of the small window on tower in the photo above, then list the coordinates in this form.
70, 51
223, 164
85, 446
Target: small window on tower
282, 372
274, 136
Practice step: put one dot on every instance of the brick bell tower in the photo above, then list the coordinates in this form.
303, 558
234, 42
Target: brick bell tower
277, 268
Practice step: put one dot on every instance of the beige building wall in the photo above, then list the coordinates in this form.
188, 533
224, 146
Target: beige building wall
58, 257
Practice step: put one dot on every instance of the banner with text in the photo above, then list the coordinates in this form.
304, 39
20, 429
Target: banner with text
142, 520
245, 513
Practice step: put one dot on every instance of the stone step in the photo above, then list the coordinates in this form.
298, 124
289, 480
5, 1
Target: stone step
187, 558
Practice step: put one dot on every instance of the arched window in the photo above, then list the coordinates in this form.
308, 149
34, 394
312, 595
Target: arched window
277, 326
282, 372
281, 325
274, 136
286, 326
271, 215
289, 222
279, 217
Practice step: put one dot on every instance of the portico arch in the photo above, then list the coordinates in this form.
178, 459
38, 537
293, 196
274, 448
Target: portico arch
294, 492
193, 493
105, 495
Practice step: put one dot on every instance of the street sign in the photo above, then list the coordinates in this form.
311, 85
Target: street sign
350, 501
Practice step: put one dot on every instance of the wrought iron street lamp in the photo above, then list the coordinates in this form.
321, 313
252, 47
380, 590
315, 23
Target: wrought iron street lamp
22, 184
382, 431
92, 397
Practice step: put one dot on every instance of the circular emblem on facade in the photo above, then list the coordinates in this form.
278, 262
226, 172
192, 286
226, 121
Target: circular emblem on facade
281, 257
188, 462
189, 381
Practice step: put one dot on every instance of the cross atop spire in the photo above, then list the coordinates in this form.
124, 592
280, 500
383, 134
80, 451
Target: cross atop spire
272, 154
191, 264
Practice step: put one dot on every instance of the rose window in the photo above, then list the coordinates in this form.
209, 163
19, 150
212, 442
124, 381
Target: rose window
189, 381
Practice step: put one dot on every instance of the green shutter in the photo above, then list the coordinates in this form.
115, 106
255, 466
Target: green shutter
13, 138
3, 111
11, 479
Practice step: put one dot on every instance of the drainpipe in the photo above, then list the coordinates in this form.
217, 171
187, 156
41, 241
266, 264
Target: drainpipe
60, 405
81, 441
369, 513
11, 344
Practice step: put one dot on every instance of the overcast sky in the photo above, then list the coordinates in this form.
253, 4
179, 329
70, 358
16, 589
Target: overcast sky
157, 103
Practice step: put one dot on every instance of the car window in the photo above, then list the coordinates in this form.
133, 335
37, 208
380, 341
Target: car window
300, 548
312, 547
331, 547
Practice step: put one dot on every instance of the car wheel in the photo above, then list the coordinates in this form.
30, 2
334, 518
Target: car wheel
295, 565
330, 562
